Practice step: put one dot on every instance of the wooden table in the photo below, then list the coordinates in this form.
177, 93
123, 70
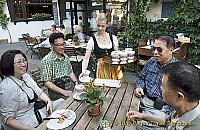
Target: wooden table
118, 102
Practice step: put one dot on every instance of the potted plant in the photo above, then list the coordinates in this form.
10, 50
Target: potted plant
75, 39
93, 97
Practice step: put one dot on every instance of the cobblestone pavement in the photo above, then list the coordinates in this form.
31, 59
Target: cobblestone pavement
34, 63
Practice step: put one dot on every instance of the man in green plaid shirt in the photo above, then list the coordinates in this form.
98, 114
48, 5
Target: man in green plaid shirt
56, 65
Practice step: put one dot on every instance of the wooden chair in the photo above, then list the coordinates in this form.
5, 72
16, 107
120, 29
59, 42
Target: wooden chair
43, 51
30, 43
36, 77
75, 58
181, 52
25, 38
143, 55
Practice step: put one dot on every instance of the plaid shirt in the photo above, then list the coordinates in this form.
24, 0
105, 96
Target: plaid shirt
151, 78
53, 67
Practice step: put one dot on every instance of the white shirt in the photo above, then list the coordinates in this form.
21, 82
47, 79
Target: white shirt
90, 44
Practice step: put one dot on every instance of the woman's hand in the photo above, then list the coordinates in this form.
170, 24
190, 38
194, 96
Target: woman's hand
49, 106
81, 75
134, 115
84, 73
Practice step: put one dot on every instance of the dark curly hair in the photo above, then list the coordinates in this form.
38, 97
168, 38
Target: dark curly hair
54, 36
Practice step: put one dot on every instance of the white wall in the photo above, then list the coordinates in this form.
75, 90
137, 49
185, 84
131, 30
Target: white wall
154, 12
34, 28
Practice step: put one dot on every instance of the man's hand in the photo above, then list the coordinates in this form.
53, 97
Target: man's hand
139, 92
67, 93
134, 115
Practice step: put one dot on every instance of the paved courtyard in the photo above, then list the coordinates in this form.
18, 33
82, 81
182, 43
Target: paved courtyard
33, 63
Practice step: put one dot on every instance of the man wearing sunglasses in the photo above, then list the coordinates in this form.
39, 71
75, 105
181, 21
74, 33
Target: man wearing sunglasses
148, 87
56, 69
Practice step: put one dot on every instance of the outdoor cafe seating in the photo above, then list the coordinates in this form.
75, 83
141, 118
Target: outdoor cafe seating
31, 43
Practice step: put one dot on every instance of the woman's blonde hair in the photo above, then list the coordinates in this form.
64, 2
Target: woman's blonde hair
101, 17
78, 28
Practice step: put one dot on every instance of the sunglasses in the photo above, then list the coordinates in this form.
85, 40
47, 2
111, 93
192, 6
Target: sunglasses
159, 49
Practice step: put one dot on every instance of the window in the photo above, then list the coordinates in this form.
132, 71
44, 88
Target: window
30, 9
166, 9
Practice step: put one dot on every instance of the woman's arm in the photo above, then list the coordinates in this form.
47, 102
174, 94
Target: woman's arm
115, 41
86, 60
17, 125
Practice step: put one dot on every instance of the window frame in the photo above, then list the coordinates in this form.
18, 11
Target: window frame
25, 18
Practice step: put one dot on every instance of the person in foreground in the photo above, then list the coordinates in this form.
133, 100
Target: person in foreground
148, 87
181, 90
18, 94
56, 70
102, 44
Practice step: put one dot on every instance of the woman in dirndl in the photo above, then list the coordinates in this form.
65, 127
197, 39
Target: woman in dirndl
102, 44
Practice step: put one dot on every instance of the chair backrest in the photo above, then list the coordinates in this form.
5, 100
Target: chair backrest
70, 51
32, 40
25, 37
36, 77
43, 51
181, 53
73, 54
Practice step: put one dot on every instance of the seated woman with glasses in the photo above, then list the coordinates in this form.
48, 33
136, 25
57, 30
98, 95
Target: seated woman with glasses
102, 44
18, 94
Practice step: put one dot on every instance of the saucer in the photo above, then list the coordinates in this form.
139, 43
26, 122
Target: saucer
85, 79
79, 87
77, 96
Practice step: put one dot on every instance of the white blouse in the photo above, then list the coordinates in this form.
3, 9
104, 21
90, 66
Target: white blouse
90, 44
14, 101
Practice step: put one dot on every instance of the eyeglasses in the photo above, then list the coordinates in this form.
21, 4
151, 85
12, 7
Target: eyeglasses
60, 45
20, 62
159, 49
